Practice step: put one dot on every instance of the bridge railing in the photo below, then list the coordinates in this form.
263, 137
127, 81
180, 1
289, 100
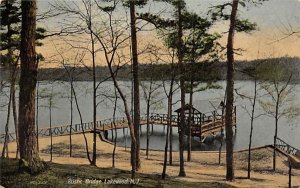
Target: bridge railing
286, 147
63, 130
162, 118
198, 121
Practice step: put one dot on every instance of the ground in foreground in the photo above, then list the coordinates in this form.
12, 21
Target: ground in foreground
62, 175
204, 166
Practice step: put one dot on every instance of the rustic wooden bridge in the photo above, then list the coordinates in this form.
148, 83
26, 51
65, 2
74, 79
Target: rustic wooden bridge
200, 125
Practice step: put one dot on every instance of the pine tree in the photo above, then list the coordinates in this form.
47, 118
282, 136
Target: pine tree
10, 28
187, 33
236, 25
28, 146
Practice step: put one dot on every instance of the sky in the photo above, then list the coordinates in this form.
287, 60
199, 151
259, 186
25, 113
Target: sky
275, 19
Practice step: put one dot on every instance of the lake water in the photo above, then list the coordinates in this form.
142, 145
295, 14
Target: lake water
263, 126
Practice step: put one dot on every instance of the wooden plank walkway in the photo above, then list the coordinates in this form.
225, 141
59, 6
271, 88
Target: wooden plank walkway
73, 129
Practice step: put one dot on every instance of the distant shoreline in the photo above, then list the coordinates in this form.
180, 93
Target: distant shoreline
204, 72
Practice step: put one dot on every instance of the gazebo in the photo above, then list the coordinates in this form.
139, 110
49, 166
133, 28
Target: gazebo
202, 113
195, 114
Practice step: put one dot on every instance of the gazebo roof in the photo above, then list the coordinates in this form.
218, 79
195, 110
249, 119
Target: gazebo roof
187, 107
203, 106
206, 106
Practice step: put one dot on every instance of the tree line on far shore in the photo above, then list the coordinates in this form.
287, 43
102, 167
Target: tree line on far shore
207, 71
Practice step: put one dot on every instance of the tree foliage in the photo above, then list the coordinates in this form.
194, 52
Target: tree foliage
197, 40
222, 12
10, 19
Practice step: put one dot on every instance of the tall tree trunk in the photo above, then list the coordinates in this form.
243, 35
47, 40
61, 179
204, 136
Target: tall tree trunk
171, 136
191, 100
37, 116
276, 130
71, 118
50, 130
181, 125
170, 101
93, 54
171, 147
136, 93
148, 125
115, 129
251, 128
81, 123
94, 101
230, 94
28, 78
129, 120
163, 175
190, 121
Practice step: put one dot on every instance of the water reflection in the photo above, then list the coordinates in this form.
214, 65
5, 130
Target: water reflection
157, 139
